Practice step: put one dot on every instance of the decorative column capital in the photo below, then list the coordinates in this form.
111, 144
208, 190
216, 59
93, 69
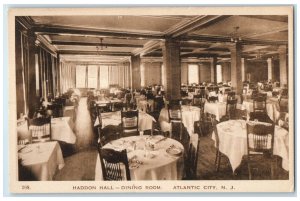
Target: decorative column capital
233, 47
282, 49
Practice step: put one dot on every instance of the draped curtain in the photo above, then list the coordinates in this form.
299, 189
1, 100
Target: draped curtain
46, 70
68, 75
22, 66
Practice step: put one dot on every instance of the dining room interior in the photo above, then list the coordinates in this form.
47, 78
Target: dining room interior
153, 97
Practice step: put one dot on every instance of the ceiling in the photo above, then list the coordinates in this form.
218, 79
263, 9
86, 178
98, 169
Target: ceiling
114, 39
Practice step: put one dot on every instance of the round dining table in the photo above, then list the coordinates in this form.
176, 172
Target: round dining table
163, 161
233, 142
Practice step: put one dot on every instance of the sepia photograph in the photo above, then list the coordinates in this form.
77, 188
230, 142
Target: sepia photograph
188, 99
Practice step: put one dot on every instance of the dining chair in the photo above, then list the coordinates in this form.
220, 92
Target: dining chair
260, 104
158, 103
260, 116
241, 114
219, 154
254, 93
93, 110
196, 101
283, 104
175, 118
113, 163
231, 108
213, 99
128, 100
183, 93
275, 93
260, 144
130, 123
118, 106
25, 173
40, 129
104, 107
231, 95
192, 159
56, 109
227, 90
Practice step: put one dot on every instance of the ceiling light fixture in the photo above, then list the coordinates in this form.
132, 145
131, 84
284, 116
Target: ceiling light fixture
235, 36
258, 55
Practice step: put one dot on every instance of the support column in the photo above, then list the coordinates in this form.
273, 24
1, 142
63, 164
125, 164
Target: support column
213, 69
270, 69
236, 70
283, 65
243, 69
32, 98
136, 72
172, 68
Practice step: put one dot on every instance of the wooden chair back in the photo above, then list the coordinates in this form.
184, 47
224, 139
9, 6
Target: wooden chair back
111, 164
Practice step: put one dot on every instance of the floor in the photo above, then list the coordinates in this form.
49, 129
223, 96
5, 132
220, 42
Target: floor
80, 160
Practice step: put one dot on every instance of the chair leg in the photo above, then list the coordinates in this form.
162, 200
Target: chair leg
272, 172
218, 160
249, 171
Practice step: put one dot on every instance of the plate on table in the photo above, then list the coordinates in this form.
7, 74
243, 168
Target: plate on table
174, 151
25, 150
21, 146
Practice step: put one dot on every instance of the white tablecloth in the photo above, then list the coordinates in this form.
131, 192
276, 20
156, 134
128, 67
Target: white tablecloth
42, 159
61, 130
219, 108
114, 118
163, 166
108, 101
142, 105
233, 142
223, 89
190, 114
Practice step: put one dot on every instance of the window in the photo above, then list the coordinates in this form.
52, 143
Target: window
103, 77
80, 76
143, 75
163, 81
219, 73
193, 73
92, 76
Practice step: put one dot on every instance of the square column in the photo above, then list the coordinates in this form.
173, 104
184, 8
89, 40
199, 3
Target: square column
136, 72
172, 69
32, 96
213, 70
283, 65
236, 70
